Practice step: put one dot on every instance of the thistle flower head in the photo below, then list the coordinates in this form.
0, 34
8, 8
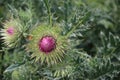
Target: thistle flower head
47, 44
10, 32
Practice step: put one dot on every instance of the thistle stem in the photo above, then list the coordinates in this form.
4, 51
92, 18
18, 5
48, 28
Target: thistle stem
72, 30
77, 25
49, 12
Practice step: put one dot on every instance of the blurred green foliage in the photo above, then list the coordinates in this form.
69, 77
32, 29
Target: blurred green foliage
95, 53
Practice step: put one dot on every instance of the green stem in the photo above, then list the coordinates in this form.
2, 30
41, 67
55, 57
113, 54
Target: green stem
49, 12
66, 11
77, 25
73, 29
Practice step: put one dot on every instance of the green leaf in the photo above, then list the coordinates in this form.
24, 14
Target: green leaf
12, 67
106, 24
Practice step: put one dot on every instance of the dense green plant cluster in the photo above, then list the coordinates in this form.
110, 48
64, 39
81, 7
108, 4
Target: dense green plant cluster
89, 37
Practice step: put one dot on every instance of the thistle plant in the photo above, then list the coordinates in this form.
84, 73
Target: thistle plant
60, 40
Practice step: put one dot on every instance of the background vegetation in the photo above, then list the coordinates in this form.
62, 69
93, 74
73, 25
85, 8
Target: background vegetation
96, 42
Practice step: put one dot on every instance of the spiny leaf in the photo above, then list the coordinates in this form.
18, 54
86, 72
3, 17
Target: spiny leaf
12, 67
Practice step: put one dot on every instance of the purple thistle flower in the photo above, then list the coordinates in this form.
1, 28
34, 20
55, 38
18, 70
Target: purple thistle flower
10, 30
47, 44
